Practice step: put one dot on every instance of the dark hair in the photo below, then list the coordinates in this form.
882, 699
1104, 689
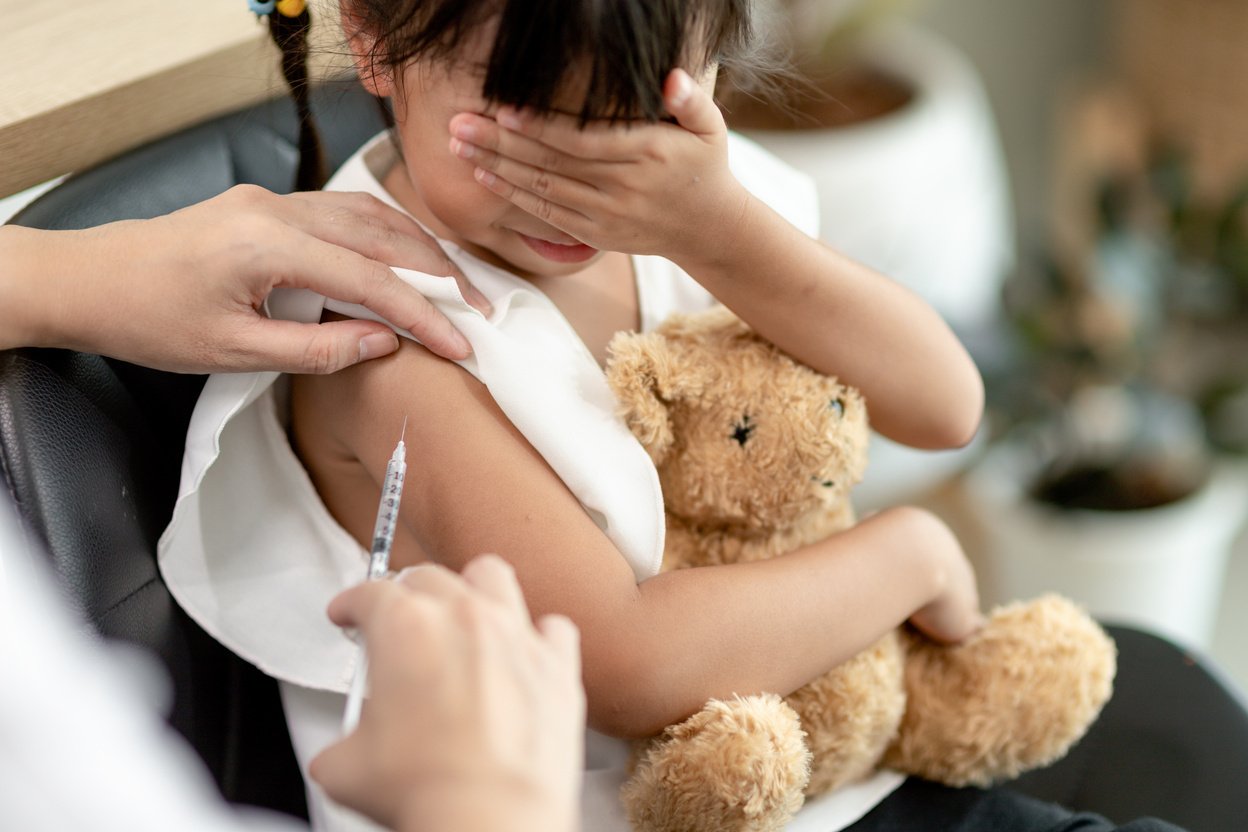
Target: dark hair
291, 36
628, 47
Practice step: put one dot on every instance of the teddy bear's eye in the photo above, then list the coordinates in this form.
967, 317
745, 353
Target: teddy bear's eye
838, 406
742, 430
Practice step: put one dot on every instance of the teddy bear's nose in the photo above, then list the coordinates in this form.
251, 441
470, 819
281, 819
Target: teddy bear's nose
742, 430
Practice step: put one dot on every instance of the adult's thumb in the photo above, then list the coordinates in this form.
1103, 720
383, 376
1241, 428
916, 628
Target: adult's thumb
321, 348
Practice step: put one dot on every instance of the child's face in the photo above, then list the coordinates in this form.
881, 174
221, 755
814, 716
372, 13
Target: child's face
438, 187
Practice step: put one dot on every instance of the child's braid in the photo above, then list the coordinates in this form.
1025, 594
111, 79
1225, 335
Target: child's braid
290, 33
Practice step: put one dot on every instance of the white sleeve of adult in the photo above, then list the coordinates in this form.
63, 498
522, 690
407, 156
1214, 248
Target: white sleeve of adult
77, 749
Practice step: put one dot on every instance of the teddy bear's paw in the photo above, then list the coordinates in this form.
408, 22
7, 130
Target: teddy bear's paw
1015, 696
738, 765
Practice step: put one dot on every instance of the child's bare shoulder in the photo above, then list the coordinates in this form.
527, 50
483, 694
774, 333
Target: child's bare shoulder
362, 408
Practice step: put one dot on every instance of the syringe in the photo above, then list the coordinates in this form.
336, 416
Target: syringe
378, 565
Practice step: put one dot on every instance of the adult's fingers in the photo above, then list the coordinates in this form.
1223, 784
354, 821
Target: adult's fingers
434, 580
496, 579
342, 770
353, 606
344, 275
370, 227
312, 348
563, 635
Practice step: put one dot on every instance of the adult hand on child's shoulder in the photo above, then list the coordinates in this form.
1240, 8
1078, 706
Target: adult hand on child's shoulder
183, 292
475, 717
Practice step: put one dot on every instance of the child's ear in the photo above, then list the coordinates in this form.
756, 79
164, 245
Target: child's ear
641, 371
375, 75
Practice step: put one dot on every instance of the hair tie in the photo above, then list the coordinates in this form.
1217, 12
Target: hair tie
286, 8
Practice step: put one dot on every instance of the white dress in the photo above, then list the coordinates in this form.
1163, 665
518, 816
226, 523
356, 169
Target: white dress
254, 556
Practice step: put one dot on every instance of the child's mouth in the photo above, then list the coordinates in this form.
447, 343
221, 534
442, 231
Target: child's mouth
559, 252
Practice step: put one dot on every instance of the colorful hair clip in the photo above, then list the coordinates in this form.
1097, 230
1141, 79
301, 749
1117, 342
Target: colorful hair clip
262, 7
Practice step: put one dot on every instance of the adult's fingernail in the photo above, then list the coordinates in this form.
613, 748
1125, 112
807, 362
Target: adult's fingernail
461, 343
480, 302
377, 344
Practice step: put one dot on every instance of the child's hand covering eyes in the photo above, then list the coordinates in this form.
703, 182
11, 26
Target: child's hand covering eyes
643, 189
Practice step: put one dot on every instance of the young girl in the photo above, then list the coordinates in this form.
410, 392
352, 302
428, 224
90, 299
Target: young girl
570, 158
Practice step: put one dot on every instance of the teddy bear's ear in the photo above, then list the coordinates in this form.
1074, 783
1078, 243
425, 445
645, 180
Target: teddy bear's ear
640, 370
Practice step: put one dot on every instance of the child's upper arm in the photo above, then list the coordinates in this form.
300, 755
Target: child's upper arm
475, 485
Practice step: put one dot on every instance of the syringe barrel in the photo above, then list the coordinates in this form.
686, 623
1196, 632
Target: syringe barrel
387, 517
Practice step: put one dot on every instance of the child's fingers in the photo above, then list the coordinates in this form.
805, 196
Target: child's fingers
597, 141
691, 105
559, 189
480, 135
565, 219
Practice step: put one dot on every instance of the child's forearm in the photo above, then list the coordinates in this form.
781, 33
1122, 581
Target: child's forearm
765, 626
844, 319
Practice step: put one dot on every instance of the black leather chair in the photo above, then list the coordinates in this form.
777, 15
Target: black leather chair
1171, 743
90, 450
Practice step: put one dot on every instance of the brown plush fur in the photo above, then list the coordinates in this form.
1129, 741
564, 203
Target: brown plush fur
756, 455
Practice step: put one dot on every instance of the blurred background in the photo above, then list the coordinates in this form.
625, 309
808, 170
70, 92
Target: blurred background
1067, 183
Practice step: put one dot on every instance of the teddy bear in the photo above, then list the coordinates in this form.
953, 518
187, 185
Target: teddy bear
756, 455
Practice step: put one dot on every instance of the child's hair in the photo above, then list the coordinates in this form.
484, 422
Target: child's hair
290, 33
626, 47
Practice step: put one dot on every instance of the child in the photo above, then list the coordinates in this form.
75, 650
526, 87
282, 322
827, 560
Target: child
532, 139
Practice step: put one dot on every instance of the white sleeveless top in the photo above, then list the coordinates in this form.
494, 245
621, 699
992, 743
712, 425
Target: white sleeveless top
254, 556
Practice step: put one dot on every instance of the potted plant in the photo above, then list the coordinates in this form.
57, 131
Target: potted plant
1129, 365
893, 125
